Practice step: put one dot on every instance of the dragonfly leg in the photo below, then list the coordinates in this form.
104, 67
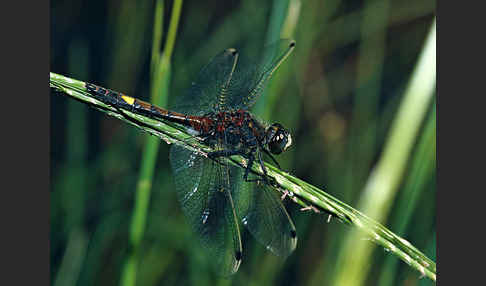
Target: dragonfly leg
273, 159
251, 158
266, 179
248, 167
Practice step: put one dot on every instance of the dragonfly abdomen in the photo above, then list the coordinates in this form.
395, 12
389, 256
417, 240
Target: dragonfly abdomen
120, 100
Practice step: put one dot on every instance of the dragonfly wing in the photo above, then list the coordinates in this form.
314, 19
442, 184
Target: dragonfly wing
264, 215
205, 196
250, 77
208, 91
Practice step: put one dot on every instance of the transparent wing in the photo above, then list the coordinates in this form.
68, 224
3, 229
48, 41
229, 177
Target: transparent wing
233, 81
207, 93
250, 76
264, 215
204, 191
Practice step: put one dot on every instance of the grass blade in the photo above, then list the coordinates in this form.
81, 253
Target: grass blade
160, 79
297, 190
381, 186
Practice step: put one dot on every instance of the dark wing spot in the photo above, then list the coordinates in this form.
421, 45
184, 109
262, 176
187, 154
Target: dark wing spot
293, 234
292, 44
238, 255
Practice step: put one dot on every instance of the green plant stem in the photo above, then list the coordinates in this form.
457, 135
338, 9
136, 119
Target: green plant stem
160, 79
369, 77
379, 191
157, 36
297, 190
422, 169
277, 16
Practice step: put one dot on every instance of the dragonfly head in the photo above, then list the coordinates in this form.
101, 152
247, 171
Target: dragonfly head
278, 139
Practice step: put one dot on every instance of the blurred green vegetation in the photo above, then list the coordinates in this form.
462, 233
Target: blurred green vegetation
339, 93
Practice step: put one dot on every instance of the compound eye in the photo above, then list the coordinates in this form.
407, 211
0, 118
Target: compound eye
280, 139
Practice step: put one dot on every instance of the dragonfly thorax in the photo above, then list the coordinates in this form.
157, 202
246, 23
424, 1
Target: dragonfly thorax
233, 128
240, 130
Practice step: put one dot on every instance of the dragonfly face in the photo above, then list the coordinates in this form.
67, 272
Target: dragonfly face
278, 139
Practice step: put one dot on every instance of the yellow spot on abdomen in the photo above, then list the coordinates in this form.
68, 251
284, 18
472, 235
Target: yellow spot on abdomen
128, 99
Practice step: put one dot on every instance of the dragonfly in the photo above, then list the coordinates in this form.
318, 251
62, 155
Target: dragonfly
217, 197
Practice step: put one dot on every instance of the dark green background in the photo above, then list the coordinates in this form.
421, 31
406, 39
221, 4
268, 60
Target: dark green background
339, 121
